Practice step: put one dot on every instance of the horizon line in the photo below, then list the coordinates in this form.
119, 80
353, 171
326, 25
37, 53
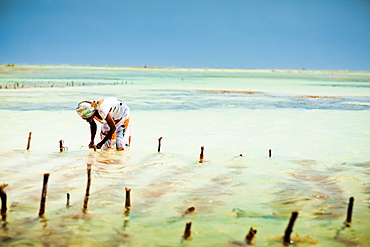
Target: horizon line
174, 68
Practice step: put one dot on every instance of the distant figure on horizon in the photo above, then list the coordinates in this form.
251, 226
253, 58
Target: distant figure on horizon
115, 118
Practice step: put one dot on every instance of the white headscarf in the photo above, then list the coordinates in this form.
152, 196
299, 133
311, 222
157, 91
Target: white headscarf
86, 109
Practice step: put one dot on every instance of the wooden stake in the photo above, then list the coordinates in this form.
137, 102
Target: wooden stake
29, 141
249, 237
201, 157
128, 201
270, 153
349, 210
61, 148
67, 200
189, 210
127, 208
187, 232
289, 228
3, 201
159, 144
43, 194
86, 199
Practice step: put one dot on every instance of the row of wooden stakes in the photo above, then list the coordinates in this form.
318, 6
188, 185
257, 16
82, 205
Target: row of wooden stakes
187, 232
17, 85
201, 156
62, 148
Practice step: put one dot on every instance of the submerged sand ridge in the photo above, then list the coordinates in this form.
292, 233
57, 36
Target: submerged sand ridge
319, 160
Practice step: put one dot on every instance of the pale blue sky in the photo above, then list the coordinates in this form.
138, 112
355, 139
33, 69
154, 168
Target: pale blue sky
263, 34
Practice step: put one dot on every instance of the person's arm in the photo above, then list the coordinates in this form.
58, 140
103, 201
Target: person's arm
112, 129
93, 133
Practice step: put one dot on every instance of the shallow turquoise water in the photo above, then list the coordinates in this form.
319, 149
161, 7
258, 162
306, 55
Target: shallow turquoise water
315, 122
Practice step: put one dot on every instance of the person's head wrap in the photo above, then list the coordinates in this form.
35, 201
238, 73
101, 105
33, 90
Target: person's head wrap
86, 109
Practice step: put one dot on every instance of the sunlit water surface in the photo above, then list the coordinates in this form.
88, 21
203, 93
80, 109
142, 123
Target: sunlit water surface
315, 122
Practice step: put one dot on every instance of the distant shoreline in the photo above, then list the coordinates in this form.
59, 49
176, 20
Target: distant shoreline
19, 67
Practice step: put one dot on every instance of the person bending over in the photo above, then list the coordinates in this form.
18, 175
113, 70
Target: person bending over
115, 118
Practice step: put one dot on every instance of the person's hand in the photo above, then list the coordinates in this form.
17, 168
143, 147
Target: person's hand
91, 144
98, 146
